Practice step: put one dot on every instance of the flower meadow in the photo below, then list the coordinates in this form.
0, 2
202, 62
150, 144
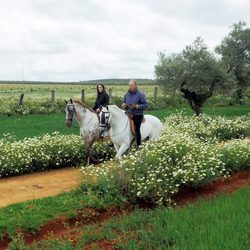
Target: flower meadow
192, 151
45, 152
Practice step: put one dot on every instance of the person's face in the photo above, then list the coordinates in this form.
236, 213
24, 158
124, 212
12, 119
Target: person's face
132, 86
100, 88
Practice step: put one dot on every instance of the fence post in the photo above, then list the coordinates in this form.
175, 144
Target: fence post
155, 92
53, 98
110, 95
83, 95
21, 100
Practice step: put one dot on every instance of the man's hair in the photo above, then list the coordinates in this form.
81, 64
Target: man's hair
134, 81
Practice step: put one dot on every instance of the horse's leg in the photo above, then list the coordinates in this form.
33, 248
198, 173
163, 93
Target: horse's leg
88, 151
116, 147
121, 150
93, 159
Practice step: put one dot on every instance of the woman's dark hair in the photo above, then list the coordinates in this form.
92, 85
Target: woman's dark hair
104, 91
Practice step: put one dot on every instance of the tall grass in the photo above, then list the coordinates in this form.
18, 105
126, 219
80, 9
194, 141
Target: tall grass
221, 223
31, 215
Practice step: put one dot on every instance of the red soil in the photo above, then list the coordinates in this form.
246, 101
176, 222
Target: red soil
65, 228
226, 185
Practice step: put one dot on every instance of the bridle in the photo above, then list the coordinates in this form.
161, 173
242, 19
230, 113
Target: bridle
71, 111
104, 121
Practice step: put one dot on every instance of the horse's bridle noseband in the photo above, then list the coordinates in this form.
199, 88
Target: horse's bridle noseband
104, 120
71, 109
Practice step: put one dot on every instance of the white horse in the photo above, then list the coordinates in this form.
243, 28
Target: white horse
88, 122
120, 132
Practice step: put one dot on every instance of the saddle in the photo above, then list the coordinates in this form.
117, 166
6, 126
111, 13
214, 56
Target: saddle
132, 124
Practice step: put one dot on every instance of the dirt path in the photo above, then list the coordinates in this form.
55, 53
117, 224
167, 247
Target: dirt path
54, 180
37, 185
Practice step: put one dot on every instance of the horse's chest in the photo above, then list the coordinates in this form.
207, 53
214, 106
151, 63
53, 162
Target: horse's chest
89, 131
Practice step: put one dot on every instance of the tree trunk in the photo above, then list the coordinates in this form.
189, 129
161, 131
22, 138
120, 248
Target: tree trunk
196, 100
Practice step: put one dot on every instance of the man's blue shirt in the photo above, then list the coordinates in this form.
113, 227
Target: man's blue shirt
136, 97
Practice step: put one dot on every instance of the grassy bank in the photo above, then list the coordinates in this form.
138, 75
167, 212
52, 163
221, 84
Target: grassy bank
220, 223
31, 215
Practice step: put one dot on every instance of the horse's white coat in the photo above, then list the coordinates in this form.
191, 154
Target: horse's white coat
120, 132
89, 125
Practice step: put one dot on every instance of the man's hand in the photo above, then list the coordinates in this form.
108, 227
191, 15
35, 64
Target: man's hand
133, 106
124, 106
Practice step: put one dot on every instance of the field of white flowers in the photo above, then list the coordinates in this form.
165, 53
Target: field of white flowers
45, 152
191, 151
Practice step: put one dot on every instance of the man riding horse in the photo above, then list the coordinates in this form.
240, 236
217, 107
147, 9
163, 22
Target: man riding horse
134, 103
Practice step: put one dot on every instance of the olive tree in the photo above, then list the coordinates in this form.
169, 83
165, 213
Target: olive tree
235, 52
195, 71
167, 72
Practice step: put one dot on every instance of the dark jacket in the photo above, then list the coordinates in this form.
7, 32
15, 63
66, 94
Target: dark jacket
136, 97
101, 100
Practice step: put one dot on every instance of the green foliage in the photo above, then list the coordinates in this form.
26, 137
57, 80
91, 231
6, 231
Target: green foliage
168, 73
195, 65
220, 223
235, 154
17, 242
31, 215
235, 52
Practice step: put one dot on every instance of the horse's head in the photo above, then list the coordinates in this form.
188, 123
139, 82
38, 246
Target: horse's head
104, 119
70, 111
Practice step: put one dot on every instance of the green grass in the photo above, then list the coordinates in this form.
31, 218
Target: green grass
31, 215
221, 223
35, 125
228, 111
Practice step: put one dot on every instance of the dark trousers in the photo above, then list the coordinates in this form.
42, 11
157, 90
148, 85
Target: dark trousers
137, 121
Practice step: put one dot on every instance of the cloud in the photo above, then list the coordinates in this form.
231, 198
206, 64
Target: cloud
62, 40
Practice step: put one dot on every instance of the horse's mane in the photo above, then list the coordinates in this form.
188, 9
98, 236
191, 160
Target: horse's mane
117, 108
114, 106
83, 105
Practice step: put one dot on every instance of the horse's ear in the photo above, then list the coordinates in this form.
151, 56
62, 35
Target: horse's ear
66, 101
71, 101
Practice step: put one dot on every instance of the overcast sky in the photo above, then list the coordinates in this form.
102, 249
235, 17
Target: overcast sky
73, 40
